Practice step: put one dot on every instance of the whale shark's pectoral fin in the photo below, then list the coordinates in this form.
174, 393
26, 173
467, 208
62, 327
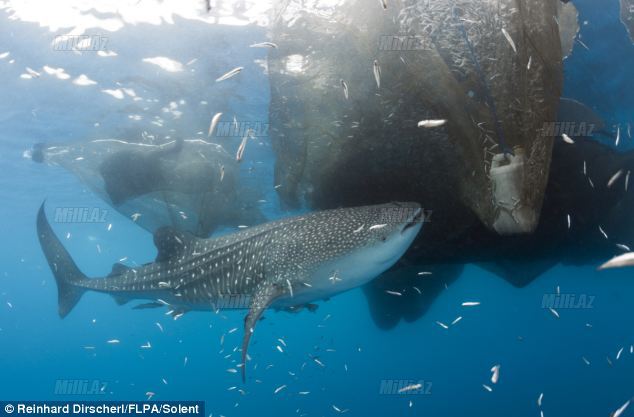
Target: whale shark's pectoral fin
120, 299
260, 301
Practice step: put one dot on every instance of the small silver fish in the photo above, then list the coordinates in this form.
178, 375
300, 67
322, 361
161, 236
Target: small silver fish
230, 74
240, 152
496, 374
411, 387
377, 73
615, 177
213, 124
441, 324
360, 228
618, 412
432, 123
509, 39
605, 235
318, 362
582, 44
263, 45
345, 88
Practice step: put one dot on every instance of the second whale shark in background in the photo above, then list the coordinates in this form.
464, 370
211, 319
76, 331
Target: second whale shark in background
191, 184
282, 264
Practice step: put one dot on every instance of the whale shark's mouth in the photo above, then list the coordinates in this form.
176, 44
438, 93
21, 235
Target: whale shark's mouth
417, 218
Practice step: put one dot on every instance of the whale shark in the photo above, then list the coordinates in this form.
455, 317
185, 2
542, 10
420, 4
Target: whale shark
282, 264
189, 184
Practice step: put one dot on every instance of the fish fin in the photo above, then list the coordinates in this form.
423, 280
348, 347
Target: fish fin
311, 307
260, 301
148, 305
66, 273
171, 243
118, 269
571, 110
297, 308
120, 299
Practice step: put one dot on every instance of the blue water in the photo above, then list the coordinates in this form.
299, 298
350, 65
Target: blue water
537, 352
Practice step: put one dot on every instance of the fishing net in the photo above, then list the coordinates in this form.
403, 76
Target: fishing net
350, 81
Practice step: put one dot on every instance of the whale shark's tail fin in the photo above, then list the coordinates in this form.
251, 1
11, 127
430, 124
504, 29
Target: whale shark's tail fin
66, 273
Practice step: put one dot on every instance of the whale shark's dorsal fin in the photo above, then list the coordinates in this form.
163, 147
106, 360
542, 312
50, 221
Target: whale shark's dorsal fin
118, 269
171, 243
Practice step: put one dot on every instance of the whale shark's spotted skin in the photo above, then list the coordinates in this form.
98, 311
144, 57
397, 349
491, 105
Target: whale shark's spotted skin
286, 263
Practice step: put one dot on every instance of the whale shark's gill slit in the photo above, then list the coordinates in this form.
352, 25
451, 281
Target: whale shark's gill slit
485, 86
